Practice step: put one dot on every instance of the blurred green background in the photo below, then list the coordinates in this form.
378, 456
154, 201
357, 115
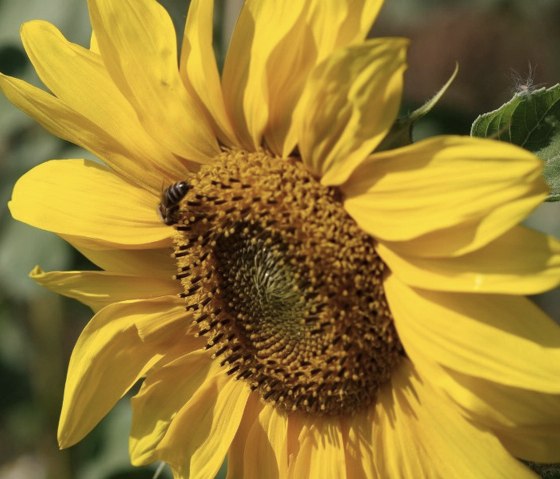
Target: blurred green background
496, 42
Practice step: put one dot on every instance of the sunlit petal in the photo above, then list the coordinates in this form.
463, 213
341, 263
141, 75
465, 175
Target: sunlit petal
104, 208
137, 43
483, 186
349, 103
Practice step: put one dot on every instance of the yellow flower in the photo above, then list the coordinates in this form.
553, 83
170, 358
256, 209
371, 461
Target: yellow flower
334, 312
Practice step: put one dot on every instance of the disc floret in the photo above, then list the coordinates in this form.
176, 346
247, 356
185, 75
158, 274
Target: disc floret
285, 286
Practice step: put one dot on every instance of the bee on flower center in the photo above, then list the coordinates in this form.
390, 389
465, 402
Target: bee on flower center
169, 203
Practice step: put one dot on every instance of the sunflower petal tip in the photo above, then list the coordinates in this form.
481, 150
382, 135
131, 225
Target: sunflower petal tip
36, 272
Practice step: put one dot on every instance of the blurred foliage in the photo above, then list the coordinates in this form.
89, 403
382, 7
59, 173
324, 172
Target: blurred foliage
38, 329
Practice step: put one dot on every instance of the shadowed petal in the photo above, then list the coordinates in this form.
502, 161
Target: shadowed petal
419, 435
321, 452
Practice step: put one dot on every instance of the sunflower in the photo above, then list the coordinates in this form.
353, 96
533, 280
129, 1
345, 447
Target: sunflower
295, 299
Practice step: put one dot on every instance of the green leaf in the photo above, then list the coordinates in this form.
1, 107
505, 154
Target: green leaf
531, 119
400, 133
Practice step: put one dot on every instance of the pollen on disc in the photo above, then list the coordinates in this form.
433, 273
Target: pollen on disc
284, 285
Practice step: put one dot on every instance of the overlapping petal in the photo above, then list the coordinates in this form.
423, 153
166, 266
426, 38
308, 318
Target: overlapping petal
321, 452
483, 187
205, 427
259, 448
155, 405
93, 383
418, 435
261, 28
81, 198
62, 121
98, 289
236, 452
155, 262
337, 125
521, 261
137, 43
79, 79
336, 24
199, 70
527, 422
277, 69
358, 440
486, 336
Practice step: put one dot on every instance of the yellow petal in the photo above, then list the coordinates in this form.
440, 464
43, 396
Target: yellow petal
445, 182
504, 339
156, 262
321, 454
420, 434
359, 446
236, 452
260, 29
78, 78
322, 27
538, 445
338, 23
470, 235
522, 261
201, 433
349, 103
329, 25
199, 70
289, 65
108, 358
93, 45
137, 42
265, 452
81, 198
97, 289
162, 395
62, 121
527, 422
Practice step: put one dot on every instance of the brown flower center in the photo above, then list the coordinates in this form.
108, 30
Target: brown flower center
284, 285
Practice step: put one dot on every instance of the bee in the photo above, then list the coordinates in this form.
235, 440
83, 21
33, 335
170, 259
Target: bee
170, 198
